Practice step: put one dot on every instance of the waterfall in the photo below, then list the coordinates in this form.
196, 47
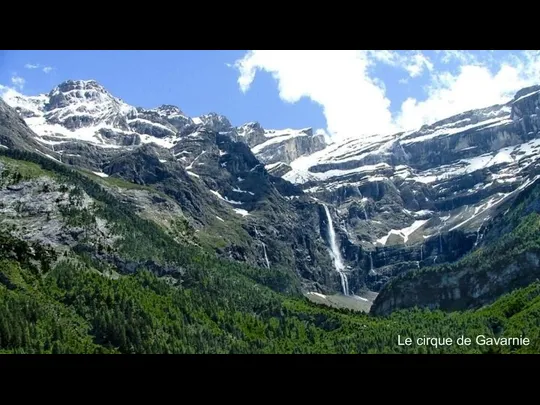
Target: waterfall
265, 255
258, 235
440, 243
336, 254
479, 235
370, 262
365, 213
421, 252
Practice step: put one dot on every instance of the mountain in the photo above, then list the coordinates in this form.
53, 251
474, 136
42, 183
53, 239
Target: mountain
84, 271
131, 230
85, 113
269, 198
228, 197
424, 197
508, 259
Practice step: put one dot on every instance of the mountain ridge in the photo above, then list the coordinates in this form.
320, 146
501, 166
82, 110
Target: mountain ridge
399, 202
144, 293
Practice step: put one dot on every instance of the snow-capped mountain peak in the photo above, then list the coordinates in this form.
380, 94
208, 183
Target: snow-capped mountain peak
414, 188
449, 176
170, 111
27, 106
85, 103
84, 110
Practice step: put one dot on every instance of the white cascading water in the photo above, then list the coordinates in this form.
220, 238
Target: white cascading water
479, 235
336, 254
265, 255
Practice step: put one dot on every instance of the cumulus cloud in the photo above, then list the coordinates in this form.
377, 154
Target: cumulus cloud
354, 100
473, 87
459, 56
337, 80
18, 81
418, 64
414, 62
31, 66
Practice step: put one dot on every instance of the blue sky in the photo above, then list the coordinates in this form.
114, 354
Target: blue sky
343, 92
196, 81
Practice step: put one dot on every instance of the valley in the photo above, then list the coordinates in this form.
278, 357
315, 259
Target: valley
151, 231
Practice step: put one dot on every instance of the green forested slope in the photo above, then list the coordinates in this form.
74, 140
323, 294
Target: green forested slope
508, 259
73, 303
76, 310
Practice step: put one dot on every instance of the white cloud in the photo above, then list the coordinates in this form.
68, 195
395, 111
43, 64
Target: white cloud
417, 64
321, 131
354, 101
9, 93
472, 87
414, 62
389, 57
18, 81
44, 69
458, 56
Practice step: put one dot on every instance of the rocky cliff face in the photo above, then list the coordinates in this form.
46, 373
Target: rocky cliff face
411, 200
15, 133
234, 204
507, 257
35, 207
286, 146
398, 202
230, 201
464, 289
